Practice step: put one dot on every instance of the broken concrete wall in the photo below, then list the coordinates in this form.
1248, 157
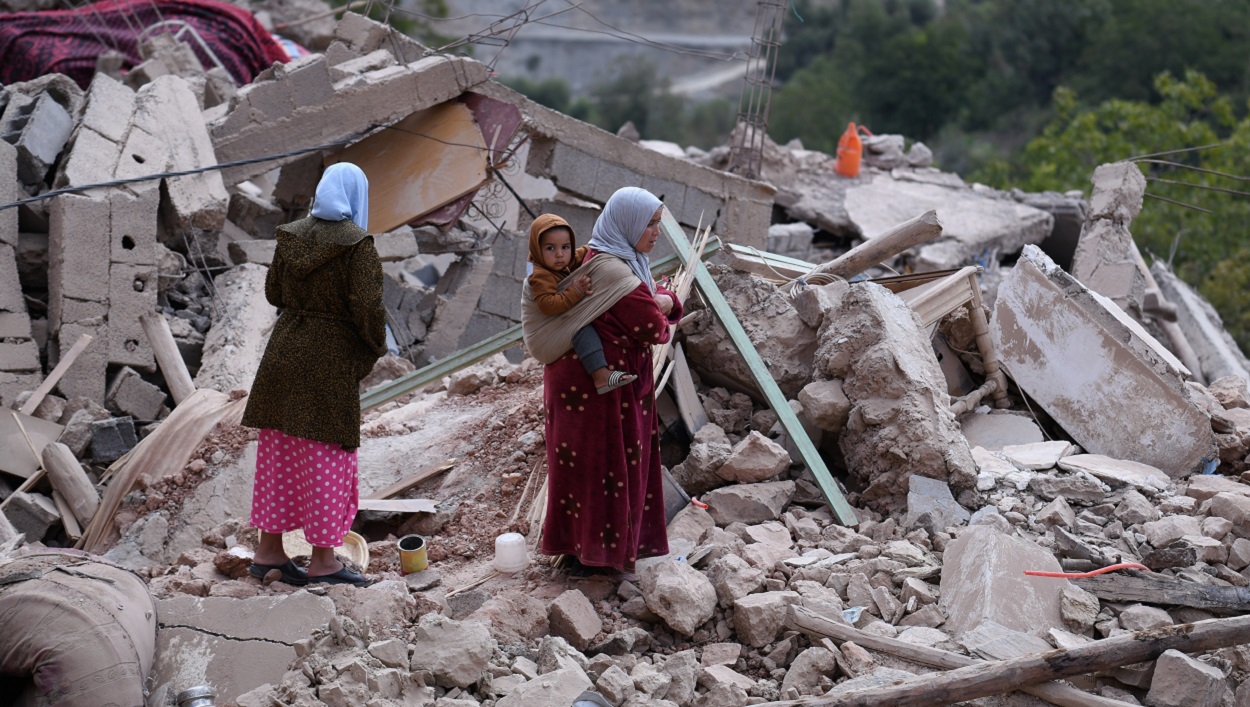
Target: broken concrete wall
357, 85
242, 323
1106, 258
1218, 354
900, 421
592, 164
1102, 378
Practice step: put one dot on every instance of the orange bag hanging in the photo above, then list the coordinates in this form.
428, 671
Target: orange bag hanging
850, 151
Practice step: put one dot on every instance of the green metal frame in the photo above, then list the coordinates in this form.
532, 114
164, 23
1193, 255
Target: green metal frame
382, 394
772, 393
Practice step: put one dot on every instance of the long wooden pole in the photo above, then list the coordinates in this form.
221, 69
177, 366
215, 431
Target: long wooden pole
167, 356
55, 376
813, 624
984, 679
71, 481
880, 248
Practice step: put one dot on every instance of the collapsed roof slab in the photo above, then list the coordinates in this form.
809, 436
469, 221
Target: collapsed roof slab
289, 112
591, 163
1218, 354
1107, 382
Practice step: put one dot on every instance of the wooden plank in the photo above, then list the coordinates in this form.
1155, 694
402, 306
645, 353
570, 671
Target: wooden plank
168, 357
1168, 592
397, 505
772, 394
55, 376
688, 403
813, 624
73, 530
16, 456
412, 479
71, 482
382, 394
424, 161
934, 300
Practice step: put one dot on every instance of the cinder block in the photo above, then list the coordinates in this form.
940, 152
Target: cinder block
77, 432
14, 325
8, 193
309, 79
11, 299
14, 384
78, 248
142, 154
109, 108
746, 222
132, 293
360, 34
19, 357
271, 99
7, 531
86, 312
112, 438
32, 514
92, 158
46, 130
259, 252
132, 236
673, 194
131, 395
86, 377
501, 296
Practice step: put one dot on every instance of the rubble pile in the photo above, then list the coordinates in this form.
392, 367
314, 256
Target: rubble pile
1021, 406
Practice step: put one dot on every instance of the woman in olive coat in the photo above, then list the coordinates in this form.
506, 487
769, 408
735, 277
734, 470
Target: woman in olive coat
326, 281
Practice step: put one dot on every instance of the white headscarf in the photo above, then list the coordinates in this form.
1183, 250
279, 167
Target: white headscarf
343, 192
620, 226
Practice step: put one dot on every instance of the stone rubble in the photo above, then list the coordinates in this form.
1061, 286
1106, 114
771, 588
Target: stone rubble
1111, 452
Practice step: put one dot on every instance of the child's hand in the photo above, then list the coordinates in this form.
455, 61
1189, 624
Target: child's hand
664, 302
582, 285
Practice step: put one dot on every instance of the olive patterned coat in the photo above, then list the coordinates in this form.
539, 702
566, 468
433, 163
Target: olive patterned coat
326, 279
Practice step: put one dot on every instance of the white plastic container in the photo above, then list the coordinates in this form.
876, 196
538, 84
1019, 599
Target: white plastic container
511, 555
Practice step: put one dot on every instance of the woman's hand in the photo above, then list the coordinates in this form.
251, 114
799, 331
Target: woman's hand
664, 302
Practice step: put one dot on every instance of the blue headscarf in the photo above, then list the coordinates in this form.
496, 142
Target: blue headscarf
343, 192
620, 226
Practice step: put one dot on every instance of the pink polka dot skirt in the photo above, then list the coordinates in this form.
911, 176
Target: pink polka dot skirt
304, 484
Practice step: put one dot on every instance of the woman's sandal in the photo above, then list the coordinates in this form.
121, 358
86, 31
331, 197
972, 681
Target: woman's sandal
292, 574
345, 575
615, 380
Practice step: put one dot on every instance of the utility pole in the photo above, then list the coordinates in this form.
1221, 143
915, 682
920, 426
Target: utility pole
746, 150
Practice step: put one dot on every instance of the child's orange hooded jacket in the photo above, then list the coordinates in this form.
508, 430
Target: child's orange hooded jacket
544, 282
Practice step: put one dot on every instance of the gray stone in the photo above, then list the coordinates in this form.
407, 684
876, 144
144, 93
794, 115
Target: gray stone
1181, 681
616, 685
1079, 609
45, 131
1131, 403
1160, 533
32, 515
1218, 353
1037, 456
826, 405
554, 689
749, 503
1135, 509
733, 578
1079, 489
573, 618
236, 341
457, 653
112, 438
717, 675
756, 458
130, 395
1118, 472
997, 431
1057, 512
1233, 507
1140, 617
983, 580
760, 618
679, 594
392, 652
683, 668
931, 506
7, 531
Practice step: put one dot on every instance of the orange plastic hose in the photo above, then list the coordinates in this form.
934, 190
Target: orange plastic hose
1079, 575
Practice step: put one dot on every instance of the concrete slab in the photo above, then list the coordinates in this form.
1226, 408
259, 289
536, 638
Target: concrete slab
236, 341
1037, 455
1118, 472
1106, 382
995, 431
971, 220
1218, 354
235, 645
983, 580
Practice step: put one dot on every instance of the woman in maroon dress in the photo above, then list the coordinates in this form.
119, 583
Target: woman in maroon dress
605, 496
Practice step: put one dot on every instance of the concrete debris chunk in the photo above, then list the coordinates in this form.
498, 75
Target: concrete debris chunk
760, 618
574, 619
554, 689
1179, 680
455, 652
1118, 472
996, 431
111, 438
749, 503
679, 594
1130, 402
1037, 456
983, 580
900, 421
755, 458
235, 343
32, 514
931, 506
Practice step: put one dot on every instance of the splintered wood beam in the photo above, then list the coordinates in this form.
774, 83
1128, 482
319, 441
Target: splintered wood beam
411, 480
55, 376
997, 677
1173, 592
382, 394
813, 624
884, 246
759, 371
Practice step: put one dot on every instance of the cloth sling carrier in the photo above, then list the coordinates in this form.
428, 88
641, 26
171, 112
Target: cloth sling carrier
547, 338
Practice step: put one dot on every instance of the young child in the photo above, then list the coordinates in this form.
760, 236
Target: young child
554, 254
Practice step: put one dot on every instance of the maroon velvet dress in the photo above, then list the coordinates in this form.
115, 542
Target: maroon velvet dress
605, 493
